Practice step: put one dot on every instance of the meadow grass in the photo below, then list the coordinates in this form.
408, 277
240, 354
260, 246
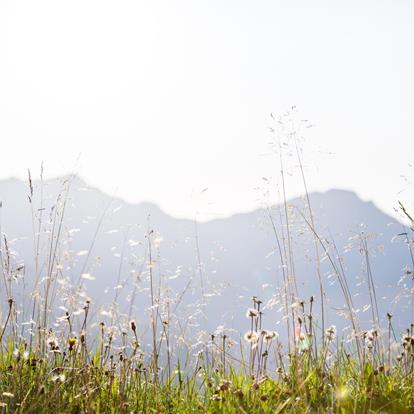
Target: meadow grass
81, 365
77, 363
67, 377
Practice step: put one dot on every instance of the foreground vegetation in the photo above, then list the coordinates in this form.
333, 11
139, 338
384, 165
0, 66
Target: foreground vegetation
60, 354
63, 375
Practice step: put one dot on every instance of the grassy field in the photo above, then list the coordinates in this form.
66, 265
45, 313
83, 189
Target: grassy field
63, 375
79, 364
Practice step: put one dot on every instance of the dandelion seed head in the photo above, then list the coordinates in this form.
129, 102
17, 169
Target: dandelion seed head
268, 336
330, 333
251, 337
251, 313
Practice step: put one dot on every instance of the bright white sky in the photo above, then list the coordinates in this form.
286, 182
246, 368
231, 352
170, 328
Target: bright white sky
157, 100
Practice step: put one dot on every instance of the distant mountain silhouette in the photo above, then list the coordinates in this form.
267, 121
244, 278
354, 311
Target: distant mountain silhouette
238, 254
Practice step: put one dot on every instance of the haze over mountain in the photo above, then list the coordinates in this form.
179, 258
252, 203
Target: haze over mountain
104, 245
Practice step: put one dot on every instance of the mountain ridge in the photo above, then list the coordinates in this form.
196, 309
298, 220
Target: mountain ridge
235, 257
81, 184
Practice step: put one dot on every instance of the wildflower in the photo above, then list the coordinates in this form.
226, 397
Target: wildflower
255, 385
8, 394
256, 300
72, 342
408, 340
270, 335
133, 326
251, 336
238, 393
252, 313
61, 378
53, 343
330, 333
369, 337
225, 385
372, 333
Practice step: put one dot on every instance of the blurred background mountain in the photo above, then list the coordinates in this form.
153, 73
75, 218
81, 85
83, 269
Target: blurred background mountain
208, 271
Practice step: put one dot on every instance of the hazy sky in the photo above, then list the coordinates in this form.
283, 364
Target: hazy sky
157, 100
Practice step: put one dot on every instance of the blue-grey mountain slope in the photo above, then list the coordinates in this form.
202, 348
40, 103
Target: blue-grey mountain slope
206, 271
